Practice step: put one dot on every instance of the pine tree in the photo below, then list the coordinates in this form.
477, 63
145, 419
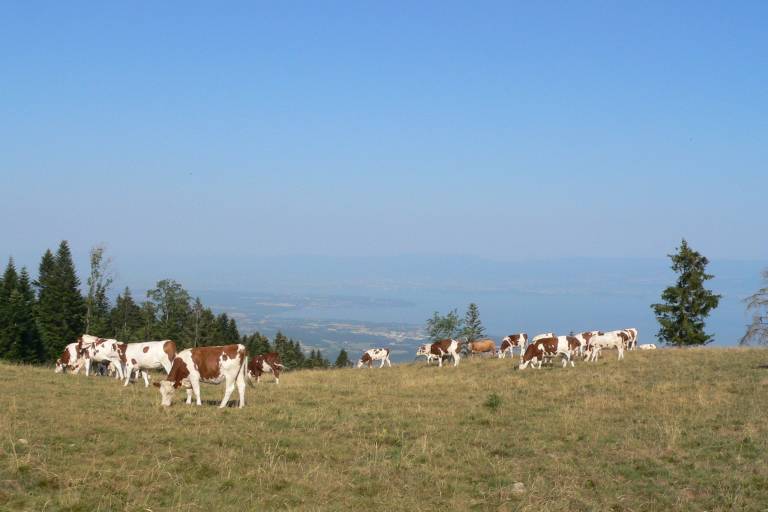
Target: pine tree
21, 335
687, 303
473, 327
8, 284
126, 318
342, 361
71, 306
49, 316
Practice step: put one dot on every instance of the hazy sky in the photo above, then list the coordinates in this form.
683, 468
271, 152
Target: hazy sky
193, 132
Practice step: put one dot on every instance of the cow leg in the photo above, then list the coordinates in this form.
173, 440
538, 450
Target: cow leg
383, 362
195, 383
276, 373
88, 367
240, 382
456, 359
229, 384
189, 396
144, 374
389, 363
128, 373
621, 353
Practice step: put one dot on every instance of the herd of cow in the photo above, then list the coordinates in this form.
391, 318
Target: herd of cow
543, 347
188, 368
231, 364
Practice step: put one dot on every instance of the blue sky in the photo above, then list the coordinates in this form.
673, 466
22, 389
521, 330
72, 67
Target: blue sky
188, 132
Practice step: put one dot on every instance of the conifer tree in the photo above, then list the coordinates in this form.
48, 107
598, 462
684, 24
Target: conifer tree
8, 284
687, 303
49, 316
342, 361
126, 318
21, 336
473, 327
71, 306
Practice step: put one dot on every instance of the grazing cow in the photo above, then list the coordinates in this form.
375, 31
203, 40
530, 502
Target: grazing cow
71, 359
445, 347
269, 362
424, 350
148, 355
547, 348
647, 346
375, 354
614, 339
98, 350
211, 365
481, 347
508, 344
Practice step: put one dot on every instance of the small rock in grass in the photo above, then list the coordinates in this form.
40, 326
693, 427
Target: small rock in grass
518, 488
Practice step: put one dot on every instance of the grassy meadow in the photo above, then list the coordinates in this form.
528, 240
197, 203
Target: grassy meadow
664, 430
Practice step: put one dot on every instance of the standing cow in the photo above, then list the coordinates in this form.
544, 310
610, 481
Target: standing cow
375, 354
148, 355
445, 347
509, 343
613, 339
425, 350
481, 347
212, 365
97, 350
269, 362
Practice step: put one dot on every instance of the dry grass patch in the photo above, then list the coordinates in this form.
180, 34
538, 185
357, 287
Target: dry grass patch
665, 430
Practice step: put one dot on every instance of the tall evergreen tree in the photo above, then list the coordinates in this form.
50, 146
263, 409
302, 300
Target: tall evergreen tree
126, 318
8, 285
757, 331
20, 334
49, 316
687, 303
342, 361
71, 312
473, 327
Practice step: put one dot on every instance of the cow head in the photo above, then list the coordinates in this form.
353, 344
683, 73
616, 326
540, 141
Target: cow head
59, 366
167, 390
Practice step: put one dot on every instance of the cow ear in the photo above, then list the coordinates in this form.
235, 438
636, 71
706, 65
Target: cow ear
156, 384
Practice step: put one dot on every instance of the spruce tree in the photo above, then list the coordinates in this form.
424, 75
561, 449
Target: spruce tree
473, 327
126, 318
687, 303
8, 285
342, 361
70, 313
23, 340
49, 317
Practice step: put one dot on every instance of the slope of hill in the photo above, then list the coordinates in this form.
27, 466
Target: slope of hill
669, 430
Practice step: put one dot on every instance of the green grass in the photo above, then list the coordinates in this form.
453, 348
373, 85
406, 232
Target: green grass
664, 430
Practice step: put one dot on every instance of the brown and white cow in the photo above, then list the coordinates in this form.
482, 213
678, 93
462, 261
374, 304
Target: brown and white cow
375, 354
542, 336
547, 348
269, 362
632, 342
147, 355
509, 343
647, 346
481, 347
425, 350
613, 339
97, 349
212, 365
71, 359
446, 347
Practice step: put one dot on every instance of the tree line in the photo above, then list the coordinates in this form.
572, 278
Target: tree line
38, 318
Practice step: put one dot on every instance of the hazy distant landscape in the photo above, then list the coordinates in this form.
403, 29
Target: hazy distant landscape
364, 302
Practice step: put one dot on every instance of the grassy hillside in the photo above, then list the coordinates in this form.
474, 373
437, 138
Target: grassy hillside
669, 430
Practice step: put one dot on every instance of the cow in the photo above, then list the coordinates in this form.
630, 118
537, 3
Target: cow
269, 362
424, 350
445, 347
481, 347
632, 342
583, 339
547, 348
647, 346
614, 339
542, 335
375, 354
212, 365
508, 344
98, 349
71, 359
148, 355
